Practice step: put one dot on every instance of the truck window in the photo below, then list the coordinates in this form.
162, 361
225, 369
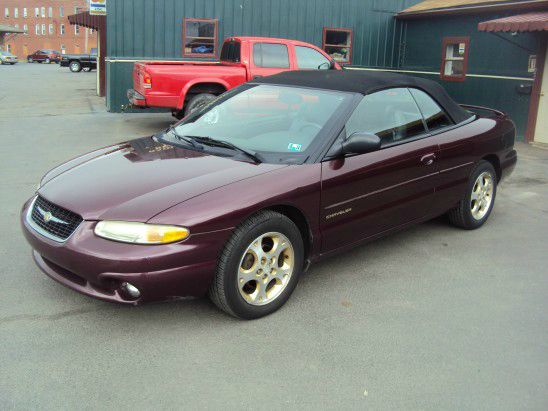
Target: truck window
231, 51
308, 58
270, 55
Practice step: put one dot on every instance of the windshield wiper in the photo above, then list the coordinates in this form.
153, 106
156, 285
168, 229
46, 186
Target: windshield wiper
256, 157
187, 139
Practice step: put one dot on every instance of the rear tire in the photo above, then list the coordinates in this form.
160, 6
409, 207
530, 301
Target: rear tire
197, 102
30, 60
250, 284
478, 202
75, 66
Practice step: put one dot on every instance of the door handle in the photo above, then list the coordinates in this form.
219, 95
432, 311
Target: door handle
428, 159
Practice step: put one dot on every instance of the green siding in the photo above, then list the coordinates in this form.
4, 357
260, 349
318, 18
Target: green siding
152, 29
489, 54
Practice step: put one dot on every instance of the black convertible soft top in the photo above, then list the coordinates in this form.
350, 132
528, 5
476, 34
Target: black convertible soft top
366, 82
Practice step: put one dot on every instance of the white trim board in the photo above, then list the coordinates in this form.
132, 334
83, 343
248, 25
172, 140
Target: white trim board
437, 73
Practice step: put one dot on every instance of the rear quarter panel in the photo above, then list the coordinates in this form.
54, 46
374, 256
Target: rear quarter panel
463, 147
170, 82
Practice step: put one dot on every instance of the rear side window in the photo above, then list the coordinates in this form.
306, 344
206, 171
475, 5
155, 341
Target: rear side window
434, 116
391, 114
231, 51
270, 55
308, 58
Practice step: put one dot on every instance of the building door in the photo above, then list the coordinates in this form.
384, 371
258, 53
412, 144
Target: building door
541, 129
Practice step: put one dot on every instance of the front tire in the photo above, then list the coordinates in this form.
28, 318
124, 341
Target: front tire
259, 267
75, 66
476, 206
30, 60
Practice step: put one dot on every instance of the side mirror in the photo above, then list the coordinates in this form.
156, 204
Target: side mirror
361, 143
330, 65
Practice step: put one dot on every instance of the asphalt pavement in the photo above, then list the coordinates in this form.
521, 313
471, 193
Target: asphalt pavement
432, 318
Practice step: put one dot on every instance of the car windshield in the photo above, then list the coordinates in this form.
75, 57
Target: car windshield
279, 122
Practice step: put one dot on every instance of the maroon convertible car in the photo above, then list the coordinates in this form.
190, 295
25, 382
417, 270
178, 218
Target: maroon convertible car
238, 198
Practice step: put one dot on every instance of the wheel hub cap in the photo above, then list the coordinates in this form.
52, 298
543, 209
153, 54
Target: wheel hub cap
265, 268
482, 195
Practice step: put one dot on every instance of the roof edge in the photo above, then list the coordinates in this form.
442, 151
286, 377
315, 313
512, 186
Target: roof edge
474, 8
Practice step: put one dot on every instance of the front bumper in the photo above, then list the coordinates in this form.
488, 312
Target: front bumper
97, 267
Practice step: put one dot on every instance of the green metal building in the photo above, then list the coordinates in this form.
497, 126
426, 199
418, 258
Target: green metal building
400, 35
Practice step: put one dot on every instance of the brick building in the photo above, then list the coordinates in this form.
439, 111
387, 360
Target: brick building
46, 25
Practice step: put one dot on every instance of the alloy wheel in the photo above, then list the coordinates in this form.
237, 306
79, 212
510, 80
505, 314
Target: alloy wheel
265, 268
482, 195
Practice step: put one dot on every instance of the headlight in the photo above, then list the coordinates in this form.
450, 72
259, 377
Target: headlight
140, 233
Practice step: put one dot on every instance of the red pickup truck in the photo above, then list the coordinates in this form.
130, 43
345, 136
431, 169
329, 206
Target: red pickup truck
186, 86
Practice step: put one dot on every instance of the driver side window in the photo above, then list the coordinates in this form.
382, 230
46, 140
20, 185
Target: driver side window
308, 58
391, 114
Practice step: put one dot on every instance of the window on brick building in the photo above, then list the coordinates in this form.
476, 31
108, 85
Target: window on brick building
24, 12
43, 11
43, 29
50, 29
26, 28
7, 13
76, 29
15, 13
37, 29
36, 12
61, 11
62, 29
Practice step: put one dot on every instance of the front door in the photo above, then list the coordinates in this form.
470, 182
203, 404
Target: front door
367, 194
541, 128
268, 59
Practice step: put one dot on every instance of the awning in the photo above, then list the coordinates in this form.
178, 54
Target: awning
84, 19
10, 29
534, 21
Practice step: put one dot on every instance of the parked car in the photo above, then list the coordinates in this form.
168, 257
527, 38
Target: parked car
7, 58
186, 86
236, 200
79, 62
44, 56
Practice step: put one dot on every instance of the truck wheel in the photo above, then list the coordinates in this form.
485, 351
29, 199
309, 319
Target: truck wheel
75, 66
474, 209
259, 267
30, 60
198, 101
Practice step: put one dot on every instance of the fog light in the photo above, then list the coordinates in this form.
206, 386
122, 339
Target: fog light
130, 290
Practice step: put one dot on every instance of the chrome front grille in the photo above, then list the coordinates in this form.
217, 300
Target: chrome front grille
53, 221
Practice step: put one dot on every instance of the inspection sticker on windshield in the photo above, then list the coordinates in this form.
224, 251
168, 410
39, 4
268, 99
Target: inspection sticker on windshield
294, 147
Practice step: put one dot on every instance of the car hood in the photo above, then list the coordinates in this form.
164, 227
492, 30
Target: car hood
134, 181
